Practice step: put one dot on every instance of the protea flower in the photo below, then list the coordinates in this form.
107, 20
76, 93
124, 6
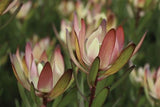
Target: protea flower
152, 82
46, 73
108, 46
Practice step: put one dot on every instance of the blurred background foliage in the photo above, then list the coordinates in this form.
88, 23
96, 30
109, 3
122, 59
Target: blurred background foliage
44, 13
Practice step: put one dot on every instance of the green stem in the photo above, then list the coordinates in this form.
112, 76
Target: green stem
77, 85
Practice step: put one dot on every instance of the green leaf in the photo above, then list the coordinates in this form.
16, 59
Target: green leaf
121, 61
123, 78
33, 95
17, 103
105, 82
57, 101
93, 72
70, 96
3, 5
61, 85
100, 98
23, 95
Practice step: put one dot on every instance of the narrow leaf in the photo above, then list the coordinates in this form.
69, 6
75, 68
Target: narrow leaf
139, 44
100, 98
121, 61
23, 95
106, 49
45, 82
61, 85
93, 72
70, 96
33, 95
72, 54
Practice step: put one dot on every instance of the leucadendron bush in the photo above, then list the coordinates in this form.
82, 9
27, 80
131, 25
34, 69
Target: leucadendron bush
40, 70
89, 58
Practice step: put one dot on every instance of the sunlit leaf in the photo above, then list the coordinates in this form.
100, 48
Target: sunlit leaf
61, 85
121, 61
93, 71
100, 98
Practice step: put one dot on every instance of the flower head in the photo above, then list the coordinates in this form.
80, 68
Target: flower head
152, 82
45, 72
23, 11
66, 7
137, 76
108, 46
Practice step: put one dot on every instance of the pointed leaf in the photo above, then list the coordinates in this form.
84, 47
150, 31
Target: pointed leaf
28, 54
33, 76
120, 37
11, 5
100, 98
32, 91
121, 61
57, 65
93, 72
18, 71
61, 85
77, 47
139, 44
23, 95
107, 49
70, 96
76, 24
45, 82
72, 54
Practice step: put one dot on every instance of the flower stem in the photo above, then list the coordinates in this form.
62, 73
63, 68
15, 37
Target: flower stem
45, 101
78, 87
93, 90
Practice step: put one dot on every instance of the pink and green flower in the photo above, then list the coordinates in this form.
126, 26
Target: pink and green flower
108, 46
47, 73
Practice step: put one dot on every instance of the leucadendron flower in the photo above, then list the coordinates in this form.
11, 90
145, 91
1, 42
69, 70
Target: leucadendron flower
108, 46
66, 7
6, 5
23, 12
137, 77
46, 73
152, 82
140, 7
